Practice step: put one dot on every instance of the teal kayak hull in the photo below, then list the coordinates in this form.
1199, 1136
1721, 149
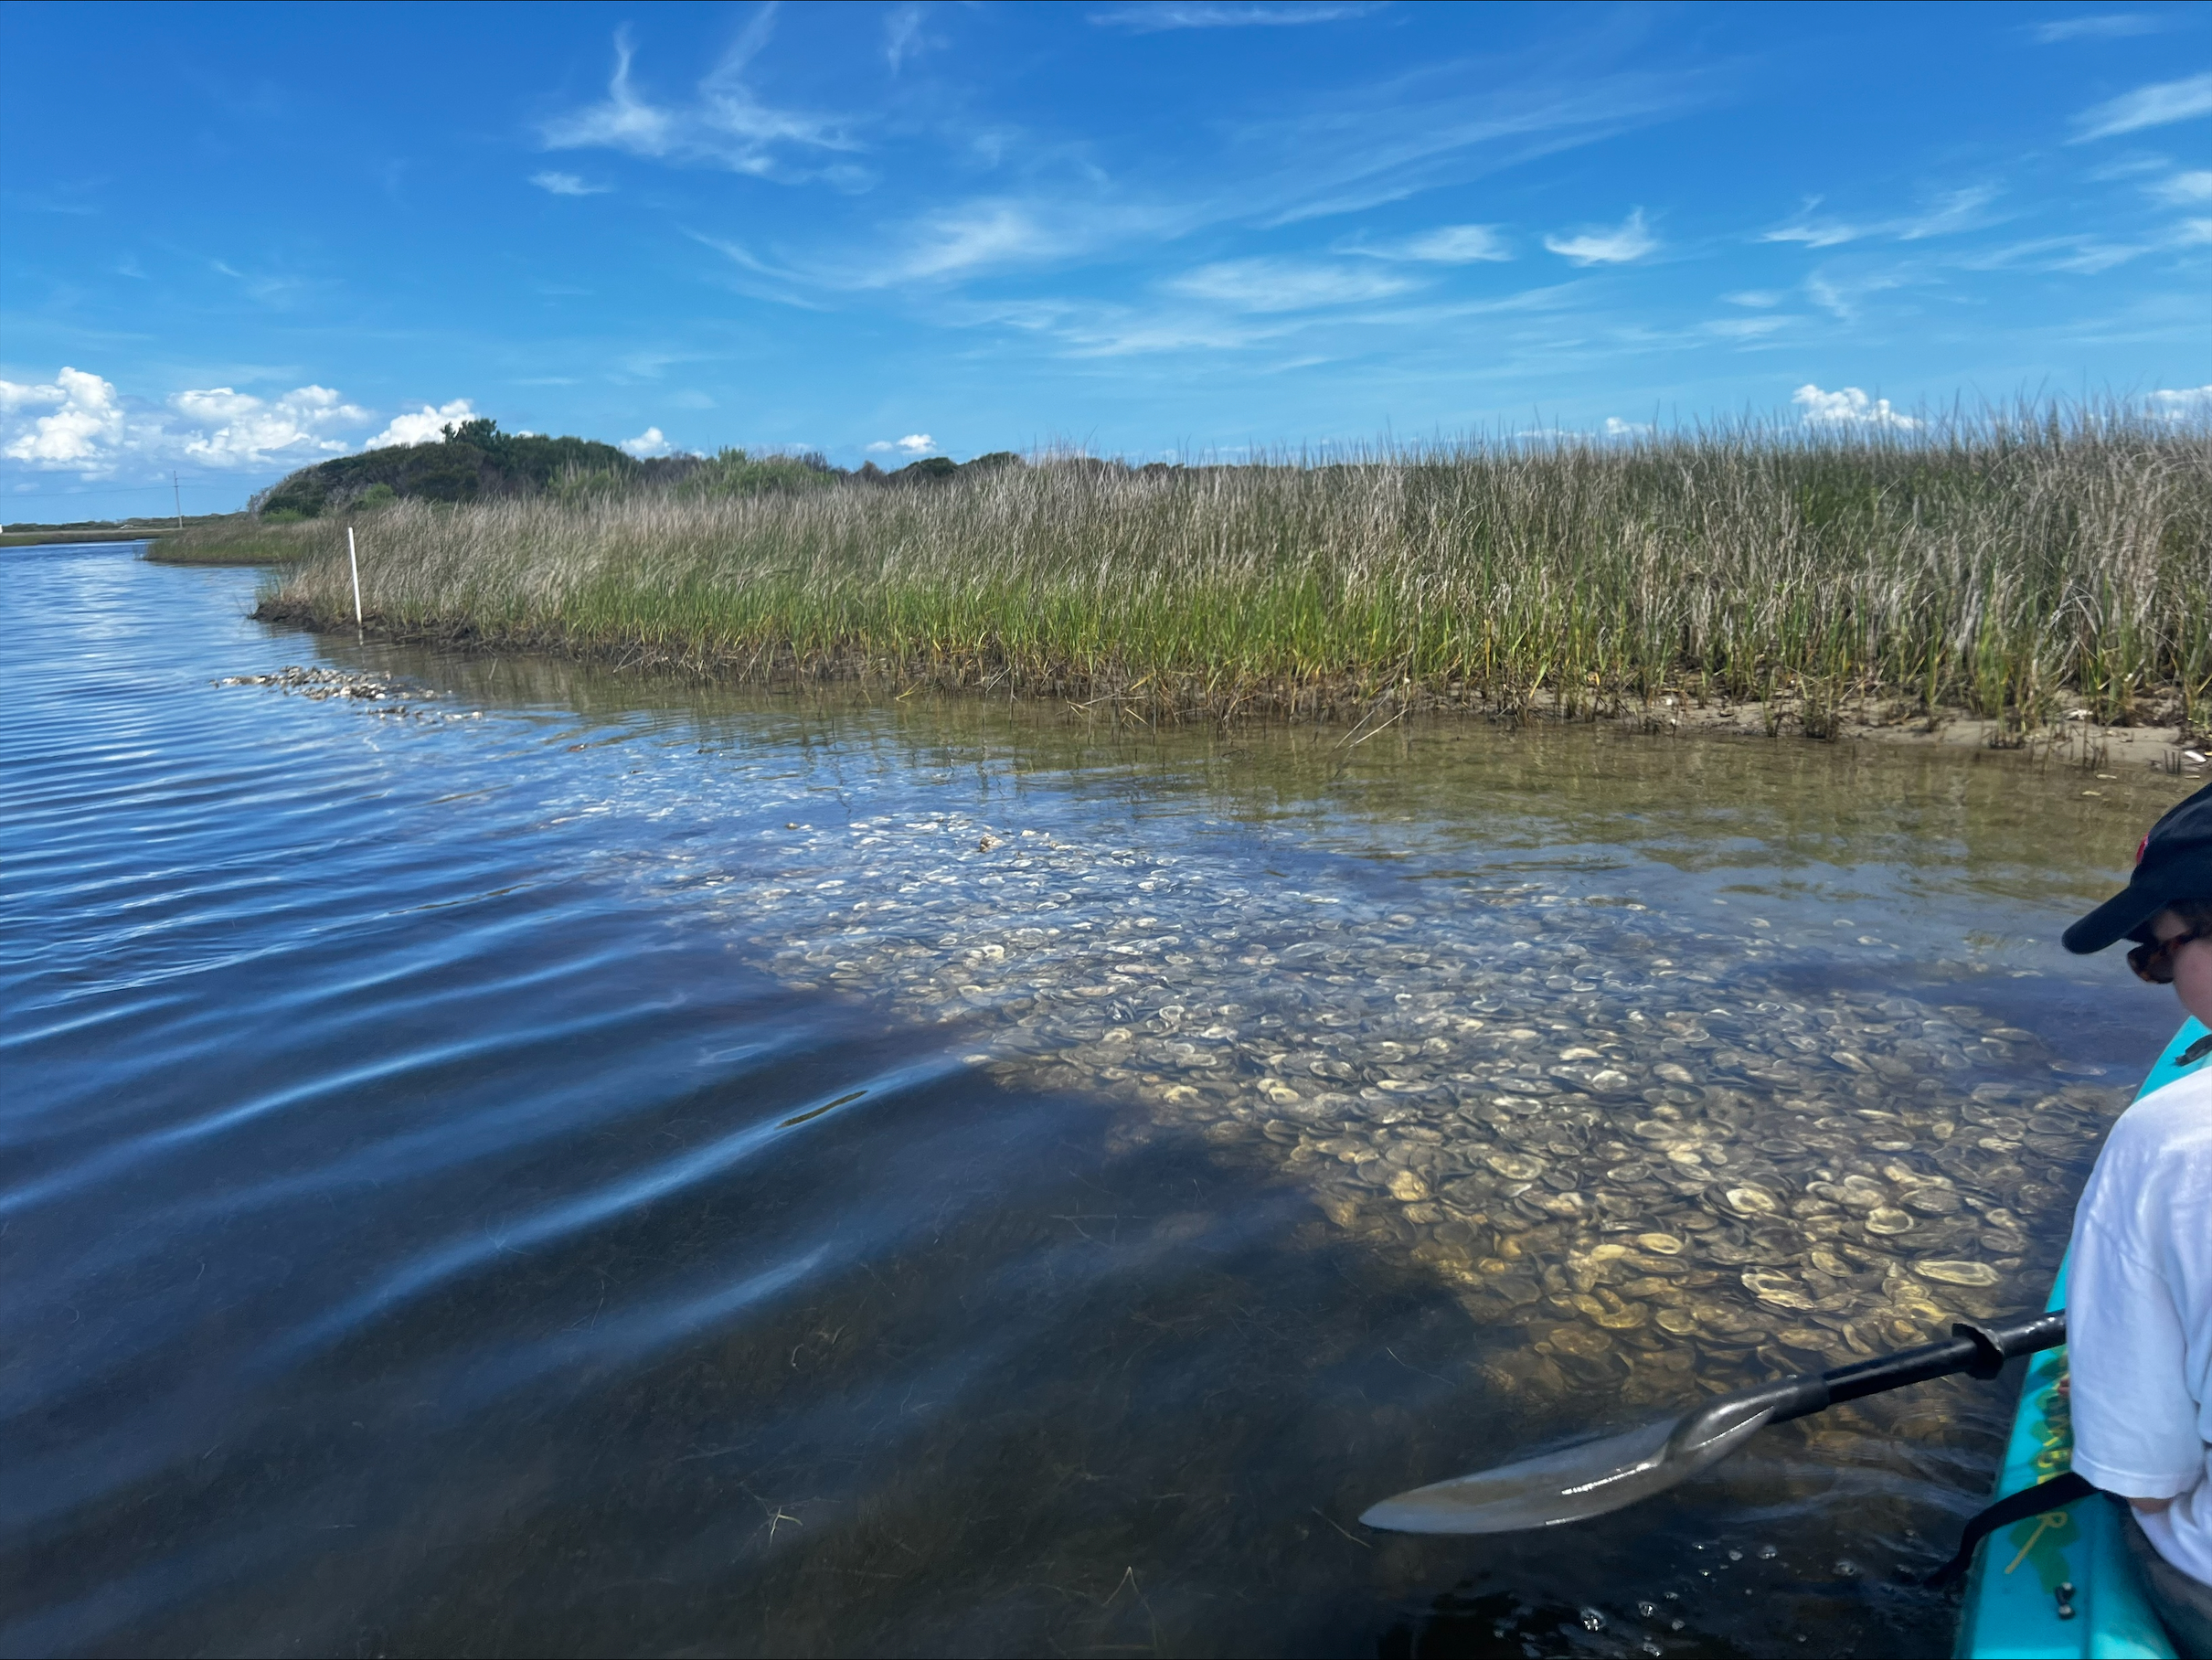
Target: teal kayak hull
2012, 1600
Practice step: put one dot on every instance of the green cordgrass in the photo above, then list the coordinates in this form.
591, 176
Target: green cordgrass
2000, 566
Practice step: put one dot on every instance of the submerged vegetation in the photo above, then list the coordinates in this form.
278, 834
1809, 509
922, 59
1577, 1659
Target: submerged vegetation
2007, 566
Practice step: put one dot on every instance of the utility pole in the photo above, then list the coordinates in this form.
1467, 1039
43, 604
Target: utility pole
180, 499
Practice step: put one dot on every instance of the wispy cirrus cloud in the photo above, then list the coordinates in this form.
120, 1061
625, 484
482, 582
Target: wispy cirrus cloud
1629, 240
2083, 255
725, 125
2102, 25
1946, 214
2151, 106
1285, 285
1841, 293
2182, 190
1157, 18
566, 183
1446, 245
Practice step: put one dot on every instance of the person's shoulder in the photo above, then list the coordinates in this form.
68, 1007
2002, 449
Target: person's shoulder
2174, 1121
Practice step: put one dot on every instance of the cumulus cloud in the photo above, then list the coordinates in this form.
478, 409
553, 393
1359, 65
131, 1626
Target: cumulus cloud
913, 444
1628, 240
84, 431
1617, 428
651, 442
1280, 285
2151, 106
566, 183
2189, 403
78, 422
1446, 245
1850, 407
426, 425
250, 432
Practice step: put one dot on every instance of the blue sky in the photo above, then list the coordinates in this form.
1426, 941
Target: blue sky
239, 240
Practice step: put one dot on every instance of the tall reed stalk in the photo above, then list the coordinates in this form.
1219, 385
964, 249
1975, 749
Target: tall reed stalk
1996, 565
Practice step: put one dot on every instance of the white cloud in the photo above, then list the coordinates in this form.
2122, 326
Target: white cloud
1953, 210
1754, 297
87, 428
1839, 293
2151, 106
2190, 403
1163, 14
426, 426
16, 394
1446, 245
1279, 285
1745, 328
980, 234
1617, 428
2184, 189
566, 183
2107, 26
902, 36
1850, 407
913, 444
256, 434
2080, 254
651, 442
2194, 233
84, 431
1630, 241
725, 125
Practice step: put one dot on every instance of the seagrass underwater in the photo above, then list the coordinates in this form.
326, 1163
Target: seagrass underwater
611, 1160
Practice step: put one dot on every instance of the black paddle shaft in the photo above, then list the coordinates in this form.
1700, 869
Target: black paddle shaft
1978, 1350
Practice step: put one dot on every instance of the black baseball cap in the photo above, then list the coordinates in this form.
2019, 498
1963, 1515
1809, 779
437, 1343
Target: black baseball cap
2175, 862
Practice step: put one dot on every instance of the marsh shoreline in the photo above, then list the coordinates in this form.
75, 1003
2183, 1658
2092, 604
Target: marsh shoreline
1358, 703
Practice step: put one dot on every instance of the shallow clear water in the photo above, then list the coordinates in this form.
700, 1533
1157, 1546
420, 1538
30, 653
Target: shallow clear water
572, 1163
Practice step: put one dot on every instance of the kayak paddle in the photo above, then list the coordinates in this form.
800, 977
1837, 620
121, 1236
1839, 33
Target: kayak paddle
1601, 1476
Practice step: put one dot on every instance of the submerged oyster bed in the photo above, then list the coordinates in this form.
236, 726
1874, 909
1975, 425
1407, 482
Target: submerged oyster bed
1598, 1122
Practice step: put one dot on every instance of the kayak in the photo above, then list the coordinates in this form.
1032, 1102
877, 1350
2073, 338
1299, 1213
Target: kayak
2059, 1586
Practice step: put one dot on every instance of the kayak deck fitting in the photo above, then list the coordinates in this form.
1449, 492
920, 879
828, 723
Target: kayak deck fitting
2059, 1586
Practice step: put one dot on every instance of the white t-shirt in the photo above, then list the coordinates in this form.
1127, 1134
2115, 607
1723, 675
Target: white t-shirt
2139, 1317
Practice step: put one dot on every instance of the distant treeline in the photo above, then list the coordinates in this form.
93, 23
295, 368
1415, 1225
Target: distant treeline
475, 461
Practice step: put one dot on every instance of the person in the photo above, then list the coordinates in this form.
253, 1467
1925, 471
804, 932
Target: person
2139, 1281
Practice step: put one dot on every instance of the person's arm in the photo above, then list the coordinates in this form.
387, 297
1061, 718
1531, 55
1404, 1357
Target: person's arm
2135, 1430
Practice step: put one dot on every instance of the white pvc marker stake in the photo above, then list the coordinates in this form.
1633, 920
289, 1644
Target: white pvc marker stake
354, 560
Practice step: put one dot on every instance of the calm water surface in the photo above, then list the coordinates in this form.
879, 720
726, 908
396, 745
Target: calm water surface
587, 1166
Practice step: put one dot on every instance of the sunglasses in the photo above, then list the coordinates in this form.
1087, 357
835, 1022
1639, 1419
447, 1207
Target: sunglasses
2154, 962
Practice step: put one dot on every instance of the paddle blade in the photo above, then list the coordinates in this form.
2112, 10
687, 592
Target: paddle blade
1581, 1481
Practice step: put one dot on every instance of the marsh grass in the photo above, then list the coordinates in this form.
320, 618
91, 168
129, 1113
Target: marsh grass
2001, 565
246, 540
